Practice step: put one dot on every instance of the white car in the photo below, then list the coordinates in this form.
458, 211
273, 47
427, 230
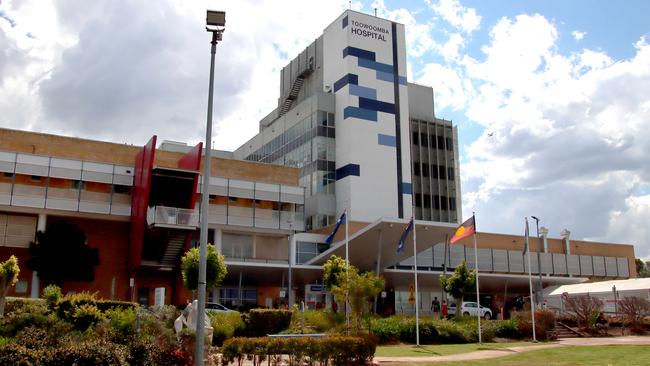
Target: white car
469, 309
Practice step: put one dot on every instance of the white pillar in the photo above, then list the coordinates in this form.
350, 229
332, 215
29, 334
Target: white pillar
218, 235
35, 290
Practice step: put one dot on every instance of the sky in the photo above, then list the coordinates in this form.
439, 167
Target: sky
551, 98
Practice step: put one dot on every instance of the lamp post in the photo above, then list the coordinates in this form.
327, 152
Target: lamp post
215, 23
615, 301
538, 293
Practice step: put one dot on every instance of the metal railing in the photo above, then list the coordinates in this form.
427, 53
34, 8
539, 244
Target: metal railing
164, 215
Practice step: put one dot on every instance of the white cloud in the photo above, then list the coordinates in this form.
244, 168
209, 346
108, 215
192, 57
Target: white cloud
463, 18
578, 35
569, 133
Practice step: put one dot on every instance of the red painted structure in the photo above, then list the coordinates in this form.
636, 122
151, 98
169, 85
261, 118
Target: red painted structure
140, 200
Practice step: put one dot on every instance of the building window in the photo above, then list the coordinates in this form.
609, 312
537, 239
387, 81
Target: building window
416, 168
232, 199
416, 138
77, 184
418, 200
427, 201
452, 203
423, 140
434, 171
121, 189
36, 178
8, 175
450, 172
425, 170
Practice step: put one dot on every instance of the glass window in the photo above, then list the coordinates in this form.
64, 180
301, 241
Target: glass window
415, 138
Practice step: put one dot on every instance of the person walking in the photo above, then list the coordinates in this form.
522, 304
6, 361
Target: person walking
445, 309
435, 308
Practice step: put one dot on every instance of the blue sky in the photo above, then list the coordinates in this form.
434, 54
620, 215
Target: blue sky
551, 98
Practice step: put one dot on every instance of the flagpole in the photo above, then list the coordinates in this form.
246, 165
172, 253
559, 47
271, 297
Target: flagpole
478, 302
417, 296
347, 276
530, 281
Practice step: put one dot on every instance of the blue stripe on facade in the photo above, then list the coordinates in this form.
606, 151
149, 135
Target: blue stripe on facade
373, 65
347, 170
386, 140
407, 188
376, 105
360, 113
345, 80
362, 91
385, 76
388, 76
359, 53
344, 23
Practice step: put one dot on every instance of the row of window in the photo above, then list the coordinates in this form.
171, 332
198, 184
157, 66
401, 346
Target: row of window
437, 142
435, 201
65, 183
317, 124
435, 171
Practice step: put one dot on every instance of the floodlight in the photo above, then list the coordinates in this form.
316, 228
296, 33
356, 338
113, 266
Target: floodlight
216, 18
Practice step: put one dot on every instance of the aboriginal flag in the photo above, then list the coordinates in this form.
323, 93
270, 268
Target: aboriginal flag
466, 229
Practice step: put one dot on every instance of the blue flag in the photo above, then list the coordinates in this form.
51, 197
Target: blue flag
340, 221
402, 239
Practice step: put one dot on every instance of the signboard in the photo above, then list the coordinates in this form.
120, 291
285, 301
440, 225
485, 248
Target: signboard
316, 288
411, 297
283, 294
383, 294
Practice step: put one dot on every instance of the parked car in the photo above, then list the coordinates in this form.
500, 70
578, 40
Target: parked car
469, 308
215, 306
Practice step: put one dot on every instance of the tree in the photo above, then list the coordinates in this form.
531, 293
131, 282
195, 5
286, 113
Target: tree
331, 270
585, 309
635, 309
360, 288
642, 268
215, 270
9, 271
459, 283
61, 253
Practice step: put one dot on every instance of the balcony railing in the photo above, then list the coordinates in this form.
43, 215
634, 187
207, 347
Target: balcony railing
173, 216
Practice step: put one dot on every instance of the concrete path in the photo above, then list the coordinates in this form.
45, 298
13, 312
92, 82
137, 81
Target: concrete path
628, 340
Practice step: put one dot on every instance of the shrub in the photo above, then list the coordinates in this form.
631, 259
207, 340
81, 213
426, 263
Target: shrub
23, 314
51, 295
317, 321
544, 324
508, 329
225, 325
335, 350
24, 304
105, 305
402, 329
85, 316
121, 325
15, 354
86, 353
267, 321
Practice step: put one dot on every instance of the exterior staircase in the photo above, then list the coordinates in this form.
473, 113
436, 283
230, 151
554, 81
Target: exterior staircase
175, 244
295, 88
564, 331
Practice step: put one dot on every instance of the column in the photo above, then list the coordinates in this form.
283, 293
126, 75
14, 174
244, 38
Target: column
35, 290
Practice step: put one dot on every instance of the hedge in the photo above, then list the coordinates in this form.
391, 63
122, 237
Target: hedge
261, 322
335, 350
402, 329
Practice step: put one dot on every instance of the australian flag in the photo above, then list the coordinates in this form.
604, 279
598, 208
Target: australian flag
402, 239
340, 221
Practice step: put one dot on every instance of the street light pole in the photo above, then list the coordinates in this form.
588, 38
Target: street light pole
215, 23
539, 262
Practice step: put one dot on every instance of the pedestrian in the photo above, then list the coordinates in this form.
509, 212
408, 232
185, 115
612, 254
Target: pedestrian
445, 309
435, 307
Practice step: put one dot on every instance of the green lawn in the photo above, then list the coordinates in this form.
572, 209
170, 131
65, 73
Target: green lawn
443, 349
563, 356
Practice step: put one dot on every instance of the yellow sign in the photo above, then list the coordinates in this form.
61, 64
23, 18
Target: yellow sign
411, 289
411, 299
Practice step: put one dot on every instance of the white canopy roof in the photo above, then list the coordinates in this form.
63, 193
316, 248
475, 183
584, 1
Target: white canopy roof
633, 284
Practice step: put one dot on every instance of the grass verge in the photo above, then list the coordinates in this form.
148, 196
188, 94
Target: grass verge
443, 349
561, 356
